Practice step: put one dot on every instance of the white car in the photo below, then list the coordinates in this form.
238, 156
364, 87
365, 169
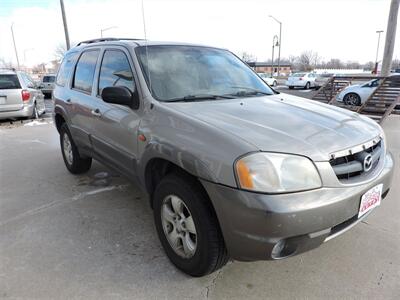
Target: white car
271, 81
357, 94
303, 80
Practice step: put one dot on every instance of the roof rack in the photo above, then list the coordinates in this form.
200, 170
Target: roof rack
8, 69
106, 40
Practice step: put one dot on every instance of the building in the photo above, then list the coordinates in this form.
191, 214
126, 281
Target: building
266, 67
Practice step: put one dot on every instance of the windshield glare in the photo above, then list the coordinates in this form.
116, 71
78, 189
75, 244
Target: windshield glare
181, 71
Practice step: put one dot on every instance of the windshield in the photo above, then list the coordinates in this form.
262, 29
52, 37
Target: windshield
175, 72
298, 75
49, 78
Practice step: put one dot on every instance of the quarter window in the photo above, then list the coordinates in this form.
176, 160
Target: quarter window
84, 72
115, 71
65, 68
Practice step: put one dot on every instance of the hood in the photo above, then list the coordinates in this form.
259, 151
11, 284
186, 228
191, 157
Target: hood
286, 123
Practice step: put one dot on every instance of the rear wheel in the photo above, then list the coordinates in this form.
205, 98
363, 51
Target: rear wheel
35, 114
291, 87
274, 83
72, 159
307, 86
187, 226
352, 99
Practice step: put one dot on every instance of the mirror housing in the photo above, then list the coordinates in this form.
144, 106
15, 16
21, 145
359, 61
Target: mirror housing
120, 95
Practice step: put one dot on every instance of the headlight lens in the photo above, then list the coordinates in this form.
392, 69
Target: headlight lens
276, 173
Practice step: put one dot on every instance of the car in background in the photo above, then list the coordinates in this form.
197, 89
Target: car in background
19, 96
322, 79
47, 84
357, 94
271, 81
303, 80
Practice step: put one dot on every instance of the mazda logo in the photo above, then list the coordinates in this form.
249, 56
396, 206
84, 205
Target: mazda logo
367, 163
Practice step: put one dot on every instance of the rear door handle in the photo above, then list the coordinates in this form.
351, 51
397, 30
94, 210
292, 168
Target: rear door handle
68, 102
96, 112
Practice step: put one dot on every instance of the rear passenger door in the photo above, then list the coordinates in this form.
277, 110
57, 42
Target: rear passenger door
115, 127
82, 99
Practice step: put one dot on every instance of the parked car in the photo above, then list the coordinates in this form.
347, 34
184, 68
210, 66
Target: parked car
47, 84
321, 79
357, 94
303, 80
19, 96
233, 169
268, 79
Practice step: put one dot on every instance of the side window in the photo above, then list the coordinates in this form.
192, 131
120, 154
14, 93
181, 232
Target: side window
27, 80
65, 68
115, 71
84, 72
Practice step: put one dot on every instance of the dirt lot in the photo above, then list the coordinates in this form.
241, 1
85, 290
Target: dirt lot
92, 237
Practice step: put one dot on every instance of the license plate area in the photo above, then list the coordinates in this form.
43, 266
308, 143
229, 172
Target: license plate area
371, 199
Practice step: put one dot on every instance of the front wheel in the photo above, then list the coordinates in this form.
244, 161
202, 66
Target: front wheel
352, 99
307, 86
274, 83
187, 226
72, 159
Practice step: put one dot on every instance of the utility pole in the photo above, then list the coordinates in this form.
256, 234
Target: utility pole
390, 37
15, 46
65, 24
280, 42
275, 38
377, 51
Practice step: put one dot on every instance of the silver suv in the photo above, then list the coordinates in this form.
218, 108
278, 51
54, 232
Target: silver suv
19, 96
233, 169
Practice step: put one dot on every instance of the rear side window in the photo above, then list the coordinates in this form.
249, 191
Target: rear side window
65, 68
115, 71
84, 72
9, 81
48, 79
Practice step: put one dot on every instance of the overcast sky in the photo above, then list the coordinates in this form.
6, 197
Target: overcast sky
344, 29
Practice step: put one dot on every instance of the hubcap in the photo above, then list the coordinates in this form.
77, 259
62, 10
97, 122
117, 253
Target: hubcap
352, 99
67, 147
178, 226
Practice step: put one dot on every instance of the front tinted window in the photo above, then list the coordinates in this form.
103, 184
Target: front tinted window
65, 68
115, 71
84, 72
180, 71
9, 82
298, 75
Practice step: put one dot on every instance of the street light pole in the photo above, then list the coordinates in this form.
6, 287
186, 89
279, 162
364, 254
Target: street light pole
275, 38
280, 43
105, 29
64, 17
390, 37
377, 50
15, 46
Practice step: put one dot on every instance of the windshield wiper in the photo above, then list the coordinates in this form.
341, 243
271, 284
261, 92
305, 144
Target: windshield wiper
192, 98
250, 91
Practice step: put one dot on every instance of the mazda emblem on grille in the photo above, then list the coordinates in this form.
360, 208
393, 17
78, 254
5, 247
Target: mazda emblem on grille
367, 163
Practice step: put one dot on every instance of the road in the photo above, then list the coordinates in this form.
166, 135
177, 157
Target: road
92, 237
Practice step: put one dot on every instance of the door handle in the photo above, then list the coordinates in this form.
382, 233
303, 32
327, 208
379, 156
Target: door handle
96, 112
68, 102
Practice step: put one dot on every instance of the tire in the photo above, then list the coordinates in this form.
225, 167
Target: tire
73, 161
352, 99
307, 86
274, 83
207, 248
35, 114
291, 87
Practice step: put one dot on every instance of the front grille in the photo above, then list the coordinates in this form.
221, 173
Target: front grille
359, 161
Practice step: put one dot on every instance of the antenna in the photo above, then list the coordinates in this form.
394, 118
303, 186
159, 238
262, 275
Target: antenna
145, 37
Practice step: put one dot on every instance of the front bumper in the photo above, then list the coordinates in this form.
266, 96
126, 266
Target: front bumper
253, 224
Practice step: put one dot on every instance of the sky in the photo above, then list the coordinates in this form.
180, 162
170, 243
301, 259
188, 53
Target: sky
344, 29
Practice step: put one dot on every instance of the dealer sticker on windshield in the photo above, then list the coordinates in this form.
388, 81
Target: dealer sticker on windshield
371, 199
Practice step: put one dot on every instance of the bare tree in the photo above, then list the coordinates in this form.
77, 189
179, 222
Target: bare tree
308, 60
59, 51
248, 57
6, 64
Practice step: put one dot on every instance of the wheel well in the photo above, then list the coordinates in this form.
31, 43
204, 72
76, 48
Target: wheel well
59, 121
156, 169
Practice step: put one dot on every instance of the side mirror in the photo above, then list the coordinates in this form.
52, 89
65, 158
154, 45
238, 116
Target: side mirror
120, 95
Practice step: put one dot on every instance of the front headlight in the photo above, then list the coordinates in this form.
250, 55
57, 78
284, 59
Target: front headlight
276, 173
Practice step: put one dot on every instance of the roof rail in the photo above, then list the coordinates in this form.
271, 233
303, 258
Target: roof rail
106, 40
8, 69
